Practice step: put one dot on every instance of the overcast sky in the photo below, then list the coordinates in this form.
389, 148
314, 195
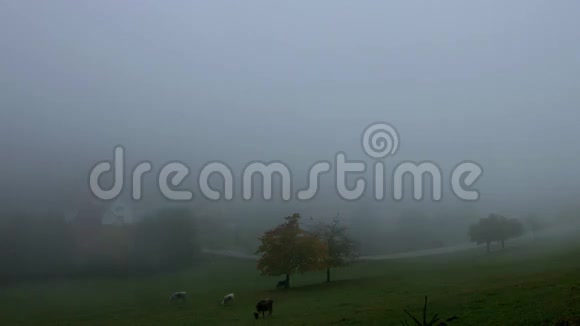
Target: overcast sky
491, 81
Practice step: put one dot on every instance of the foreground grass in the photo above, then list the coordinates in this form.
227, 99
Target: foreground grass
529, 285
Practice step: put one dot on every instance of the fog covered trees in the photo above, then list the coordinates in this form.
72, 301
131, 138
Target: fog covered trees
495, 228
287, 249
165, 240
341, 249
52, 246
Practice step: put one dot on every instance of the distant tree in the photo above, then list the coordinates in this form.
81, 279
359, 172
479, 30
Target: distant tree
341, 248
287, 249
533, 223
482, 232
510, 228
495, 228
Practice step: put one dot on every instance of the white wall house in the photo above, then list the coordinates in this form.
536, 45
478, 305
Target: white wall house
115, 213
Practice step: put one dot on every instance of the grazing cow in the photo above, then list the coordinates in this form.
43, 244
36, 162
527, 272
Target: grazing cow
282, 284
228, 298
178, 296
263, 306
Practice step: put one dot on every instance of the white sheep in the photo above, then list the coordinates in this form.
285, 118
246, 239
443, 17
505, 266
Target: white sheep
228, 298
181, 296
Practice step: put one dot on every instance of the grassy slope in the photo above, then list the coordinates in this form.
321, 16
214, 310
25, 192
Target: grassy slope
522, 286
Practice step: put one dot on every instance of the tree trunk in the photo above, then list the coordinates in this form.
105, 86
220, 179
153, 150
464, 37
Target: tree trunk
287, 281
502, 244
327, 274
487, 247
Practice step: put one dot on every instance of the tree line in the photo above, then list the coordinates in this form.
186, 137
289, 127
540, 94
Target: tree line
40, 247
288, 249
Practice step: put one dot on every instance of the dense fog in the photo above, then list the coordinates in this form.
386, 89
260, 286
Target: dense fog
494, 83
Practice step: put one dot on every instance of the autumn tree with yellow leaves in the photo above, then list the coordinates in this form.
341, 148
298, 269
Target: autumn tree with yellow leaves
287, 250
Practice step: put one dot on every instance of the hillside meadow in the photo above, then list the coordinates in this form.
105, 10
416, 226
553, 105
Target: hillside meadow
533, 284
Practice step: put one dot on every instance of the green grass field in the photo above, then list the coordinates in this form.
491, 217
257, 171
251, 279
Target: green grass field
533, 284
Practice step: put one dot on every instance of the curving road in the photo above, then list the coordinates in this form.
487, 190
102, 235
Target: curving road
547, 233
409, 254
